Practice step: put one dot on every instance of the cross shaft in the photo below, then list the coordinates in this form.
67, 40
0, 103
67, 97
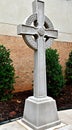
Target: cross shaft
39, 32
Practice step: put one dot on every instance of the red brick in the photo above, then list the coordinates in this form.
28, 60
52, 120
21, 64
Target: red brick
23, 59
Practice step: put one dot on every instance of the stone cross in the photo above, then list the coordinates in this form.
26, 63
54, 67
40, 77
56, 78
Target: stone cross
38, 33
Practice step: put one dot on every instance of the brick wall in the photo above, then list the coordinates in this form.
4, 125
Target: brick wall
23, 61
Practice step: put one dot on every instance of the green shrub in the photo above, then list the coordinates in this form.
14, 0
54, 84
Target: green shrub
55, 80
7, 73
68, 70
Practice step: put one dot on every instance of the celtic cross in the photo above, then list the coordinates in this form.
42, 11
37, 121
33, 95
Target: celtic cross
38, 33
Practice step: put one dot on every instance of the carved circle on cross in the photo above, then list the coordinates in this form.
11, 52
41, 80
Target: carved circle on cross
31, 40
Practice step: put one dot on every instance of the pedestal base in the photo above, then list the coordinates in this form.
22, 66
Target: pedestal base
40, 113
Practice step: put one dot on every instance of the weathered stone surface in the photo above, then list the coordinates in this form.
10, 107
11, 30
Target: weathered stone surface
40, 111
43, 33
40, 114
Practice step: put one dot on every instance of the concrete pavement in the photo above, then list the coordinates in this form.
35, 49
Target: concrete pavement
65, 116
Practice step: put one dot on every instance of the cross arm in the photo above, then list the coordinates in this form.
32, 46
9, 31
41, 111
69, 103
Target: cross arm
51, 33
26, 30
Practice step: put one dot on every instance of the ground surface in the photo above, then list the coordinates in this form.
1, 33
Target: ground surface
14, 108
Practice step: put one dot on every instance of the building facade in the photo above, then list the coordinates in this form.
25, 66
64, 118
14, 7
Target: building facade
14, 12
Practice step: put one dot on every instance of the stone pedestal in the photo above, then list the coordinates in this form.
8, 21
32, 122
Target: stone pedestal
40, 113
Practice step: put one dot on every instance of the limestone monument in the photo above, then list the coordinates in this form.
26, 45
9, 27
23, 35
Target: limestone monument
40, 111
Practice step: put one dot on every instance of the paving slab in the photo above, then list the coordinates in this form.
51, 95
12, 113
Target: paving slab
65, 117
12, 126
67, 127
